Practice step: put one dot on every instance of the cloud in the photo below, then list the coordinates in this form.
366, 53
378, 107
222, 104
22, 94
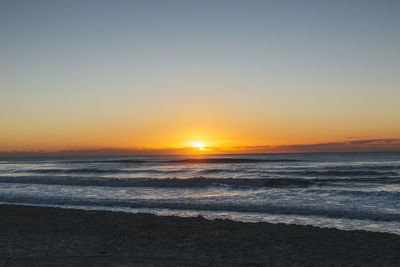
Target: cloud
251, 147
363, 145
96, 152
345, 146
357, 137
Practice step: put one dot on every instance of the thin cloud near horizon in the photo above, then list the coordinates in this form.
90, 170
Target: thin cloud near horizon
364, 145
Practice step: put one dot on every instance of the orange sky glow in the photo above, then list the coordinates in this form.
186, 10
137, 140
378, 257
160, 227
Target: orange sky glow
138, 77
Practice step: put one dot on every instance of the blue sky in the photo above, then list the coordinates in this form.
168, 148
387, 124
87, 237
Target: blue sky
250, 72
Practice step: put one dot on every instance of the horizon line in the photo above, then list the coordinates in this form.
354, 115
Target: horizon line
362, 145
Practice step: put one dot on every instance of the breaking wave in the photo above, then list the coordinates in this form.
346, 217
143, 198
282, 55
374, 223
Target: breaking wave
163, 204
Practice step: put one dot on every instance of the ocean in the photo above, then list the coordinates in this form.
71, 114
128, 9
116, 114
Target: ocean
353, 191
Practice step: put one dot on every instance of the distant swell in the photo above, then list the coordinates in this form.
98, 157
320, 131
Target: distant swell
344, 173
363, 167
354, 193
69, 171
187, 160
133, 182
109, 161
304, 182
208, 171
97, 171
229, 160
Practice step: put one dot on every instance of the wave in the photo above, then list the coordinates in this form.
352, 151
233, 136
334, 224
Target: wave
66, 171
389, 194
209, 171
133, 182
229, 160
110, 161
305, 182
191, 205
187, 160
342, 173
96, 171
190, 182
295, 173
363, 167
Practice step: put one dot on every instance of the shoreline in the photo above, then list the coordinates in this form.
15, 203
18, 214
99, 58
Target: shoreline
49, 236
175, 213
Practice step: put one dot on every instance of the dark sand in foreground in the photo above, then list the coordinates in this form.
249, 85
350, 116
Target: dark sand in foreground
37, 236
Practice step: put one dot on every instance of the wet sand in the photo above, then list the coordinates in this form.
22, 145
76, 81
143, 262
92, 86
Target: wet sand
38, 236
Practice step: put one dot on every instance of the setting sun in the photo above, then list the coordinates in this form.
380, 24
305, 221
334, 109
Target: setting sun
197, 145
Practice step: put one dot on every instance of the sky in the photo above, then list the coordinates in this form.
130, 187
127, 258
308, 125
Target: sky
232, 75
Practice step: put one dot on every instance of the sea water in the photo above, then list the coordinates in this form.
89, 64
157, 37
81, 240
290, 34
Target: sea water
342, 190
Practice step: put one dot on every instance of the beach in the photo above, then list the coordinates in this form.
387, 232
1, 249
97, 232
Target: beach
44, 236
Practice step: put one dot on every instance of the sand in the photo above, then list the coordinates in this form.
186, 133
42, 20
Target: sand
39, 236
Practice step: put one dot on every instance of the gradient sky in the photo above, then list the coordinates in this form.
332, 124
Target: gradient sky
160, 74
